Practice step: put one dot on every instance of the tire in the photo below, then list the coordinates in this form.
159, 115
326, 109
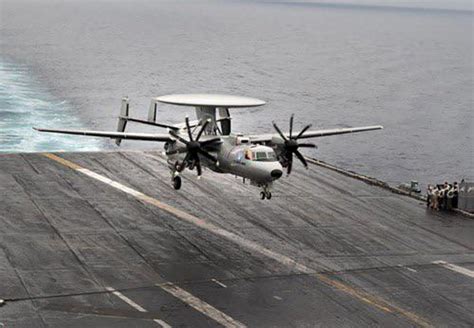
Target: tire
262, 195
177, 183
268, 195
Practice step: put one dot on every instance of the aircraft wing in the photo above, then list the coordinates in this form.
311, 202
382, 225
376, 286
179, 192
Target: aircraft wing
113, 135
315, 134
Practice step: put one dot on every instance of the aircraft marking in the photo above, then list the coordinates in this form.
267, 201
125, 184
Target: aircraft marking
365, 297
455, 268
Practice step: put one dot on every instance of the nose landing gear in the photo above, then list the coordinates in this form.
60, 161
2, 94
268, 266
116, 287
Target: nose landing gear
266, 193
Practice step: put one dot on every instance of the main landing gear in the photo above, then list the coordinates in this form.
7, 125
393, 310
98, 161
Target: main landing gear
176, 182
175, 178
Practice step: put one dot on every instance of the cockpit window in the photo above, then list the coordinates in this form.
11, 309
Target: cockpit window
263, 156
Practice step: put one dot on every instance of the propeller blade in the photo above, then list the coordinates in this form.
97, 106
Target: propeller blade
203, 127
307, 145
303, 131
176, 151
301, 158
291, 125
279, 131
290, 164
182, 166
210, 142
198, 167
188, 128
206, 154
174, 134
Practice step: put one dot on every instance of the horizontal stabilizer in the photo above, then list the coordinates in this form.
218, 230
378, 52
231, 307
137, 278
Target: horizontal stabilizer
160, 125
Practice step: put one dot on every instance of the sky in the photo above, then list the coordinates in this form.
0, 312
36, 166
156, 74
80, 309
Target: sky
432, 4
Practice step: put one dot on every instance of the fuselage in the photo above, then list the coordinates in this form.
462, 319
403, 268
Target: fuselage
238, 157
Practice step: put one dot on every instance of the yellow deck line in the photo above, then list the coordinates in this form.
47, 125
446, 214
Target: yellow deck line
365, 297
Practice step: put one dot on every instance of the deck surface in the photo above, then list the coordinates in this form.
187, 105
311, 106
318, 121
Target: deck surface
79, 250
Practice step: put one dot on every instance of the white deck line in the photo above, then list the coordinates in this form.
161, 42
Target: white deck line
135, 306
456, 268
219, 283
375, 301
201, 306
162, 323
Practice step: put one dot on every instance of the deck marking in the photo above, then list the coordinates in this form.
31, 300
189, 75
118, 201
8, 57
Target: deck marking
455, 268
135, 305
162, 323
126, 299
365, 297
201, 306
219, 283
408, 268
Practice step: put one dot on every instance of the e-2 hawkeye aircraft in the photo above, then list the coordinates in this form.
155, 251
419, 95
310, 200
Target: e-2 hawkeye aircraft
208, 141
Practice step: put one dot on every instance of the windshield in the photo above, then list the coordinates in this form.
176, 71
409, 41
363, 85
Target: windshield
264, 156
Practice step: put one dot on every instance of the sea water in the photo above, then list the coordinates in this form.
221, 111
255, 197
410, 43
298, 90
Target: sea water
408, 69
25, 104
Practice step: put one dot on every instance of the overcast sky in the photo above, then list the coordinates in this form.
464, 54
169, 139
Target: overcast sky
442, 4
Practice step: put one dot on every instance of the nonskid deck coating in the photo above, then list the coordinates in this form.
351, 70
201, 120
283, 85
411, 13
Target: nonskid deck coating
65, 238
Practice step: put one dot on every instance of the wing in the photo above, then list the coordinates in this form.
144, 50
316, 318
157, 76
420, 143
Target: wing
113, 135
315, 134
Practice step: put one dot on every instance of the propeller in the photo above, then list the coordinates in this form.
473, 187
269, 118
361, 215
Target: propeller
193, 148
291, 145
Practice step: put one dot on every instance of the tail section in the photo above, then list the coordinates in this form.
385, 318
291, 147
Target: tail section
224, 118
152, 111
122, 122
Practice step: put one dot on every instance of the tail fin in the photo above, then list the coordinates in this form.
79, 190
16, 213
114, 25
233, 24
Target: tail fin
224, 117
152, 111
122, 122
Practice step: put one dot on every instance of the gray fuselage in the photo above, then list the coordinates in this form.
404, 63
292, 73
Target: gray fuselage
236, 156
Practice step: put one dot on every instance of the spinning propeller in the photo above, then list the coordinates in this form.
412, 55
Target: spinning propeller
291, 145
194, 148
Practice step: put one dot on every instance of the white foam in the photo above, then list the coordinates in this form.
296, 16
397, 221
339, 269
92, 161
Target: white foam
24, 103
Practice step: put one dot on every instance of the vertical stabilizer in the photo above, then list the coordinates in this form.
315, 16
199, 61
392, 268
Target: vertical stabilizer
224, 117
122, 122
152, 111
204, 113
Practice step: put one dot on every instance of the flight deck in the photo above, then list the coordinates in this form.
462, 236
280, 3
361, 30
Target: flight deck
103, 240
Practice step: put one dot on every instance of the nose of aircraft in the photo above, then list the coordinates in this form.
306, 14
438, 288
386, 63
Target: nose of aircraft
276, 173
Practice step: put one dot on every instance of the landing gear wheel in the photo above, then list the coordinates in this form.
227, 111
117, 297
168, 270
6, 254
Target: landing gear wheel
268, 194
177, 182
262, 195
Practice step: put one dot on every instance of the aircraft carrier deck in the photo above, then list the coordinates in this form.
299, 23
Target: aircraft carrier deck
102, 240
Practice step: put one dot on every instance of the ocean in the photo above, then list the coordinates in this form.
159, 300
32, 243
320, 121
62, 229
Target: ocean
66, 64
24, 104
